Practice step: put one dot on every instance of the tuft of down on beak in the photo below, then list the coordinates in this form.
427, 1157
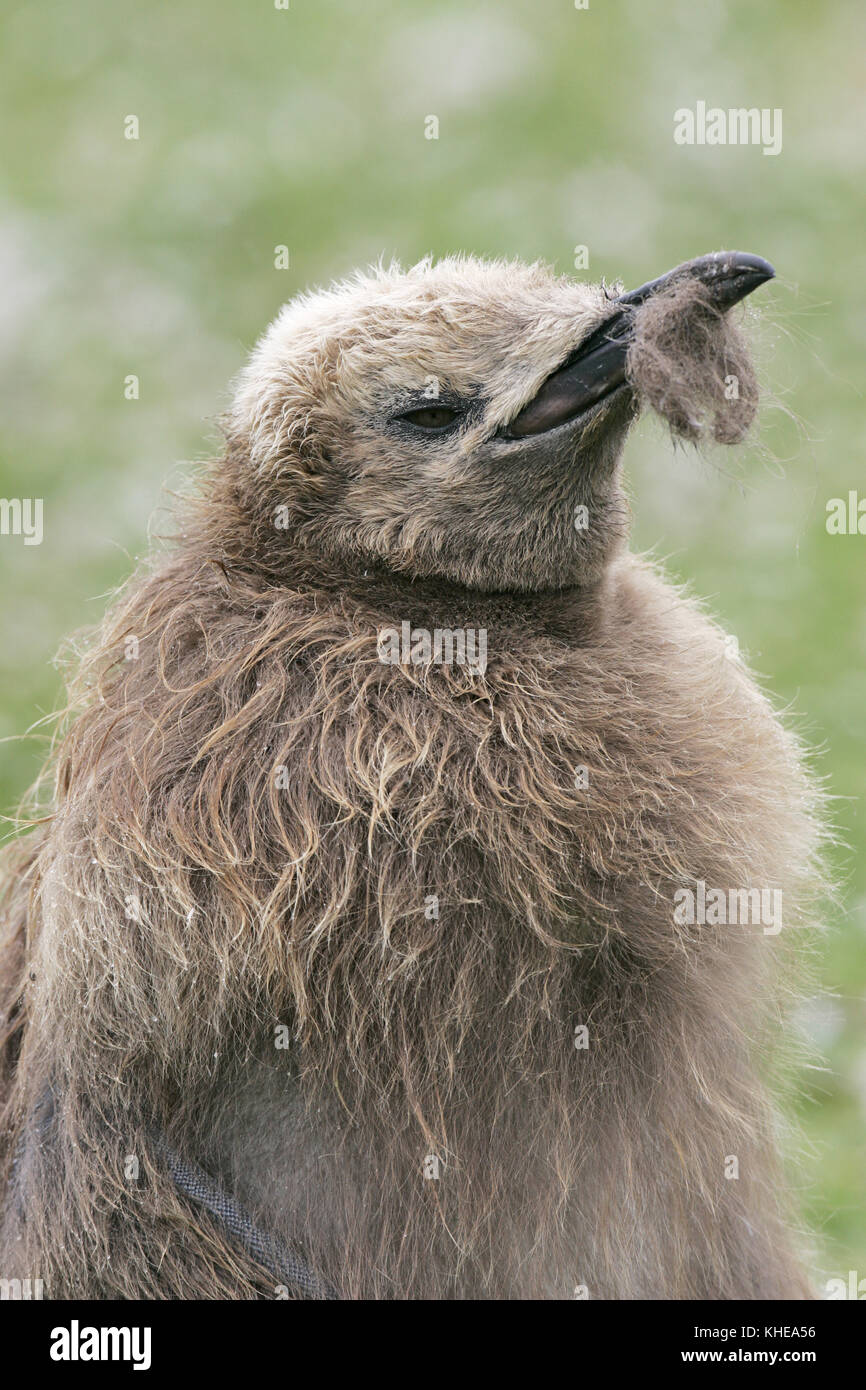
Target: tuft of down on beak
600, 364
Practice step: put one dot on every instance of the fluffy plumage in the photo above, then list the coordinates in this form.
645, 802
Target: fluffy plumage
257, 825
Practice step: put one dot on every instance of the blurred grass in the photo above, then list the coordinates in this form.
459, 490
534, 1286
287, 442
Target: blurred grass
305, 127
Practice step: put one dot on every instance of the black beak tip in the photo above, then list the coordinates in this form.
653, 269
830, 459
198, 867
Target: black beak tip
731, 275
743, 268
755, 265
728, 275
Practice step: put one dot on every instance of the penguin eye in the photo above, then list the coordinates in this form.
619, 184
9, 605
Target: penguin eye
431, 417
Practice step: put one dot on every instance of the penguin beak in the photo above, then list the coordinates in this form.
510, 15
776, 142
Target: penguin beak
597, 367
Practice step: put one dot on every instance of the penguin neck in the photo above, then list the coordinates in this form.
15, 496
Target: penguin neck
572, 613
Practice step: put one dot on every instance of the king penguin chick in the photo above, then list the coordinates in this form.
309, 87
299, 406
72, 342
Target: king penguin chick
405, 869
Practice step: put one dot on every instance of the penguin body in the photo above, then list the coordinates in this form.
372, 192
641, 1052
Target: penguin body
377, 920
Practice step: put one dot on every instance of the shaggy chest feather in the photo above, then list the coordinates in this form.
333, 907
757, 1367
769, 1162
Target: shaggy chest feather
428, 881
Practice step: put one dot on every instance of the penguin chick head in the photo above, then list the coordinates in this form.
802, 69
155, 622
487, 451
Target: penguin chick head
461, 420
376, 415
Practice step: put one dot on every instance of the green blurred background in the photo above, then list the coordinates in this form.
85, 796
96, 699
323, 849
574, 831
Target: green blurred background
305, 127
